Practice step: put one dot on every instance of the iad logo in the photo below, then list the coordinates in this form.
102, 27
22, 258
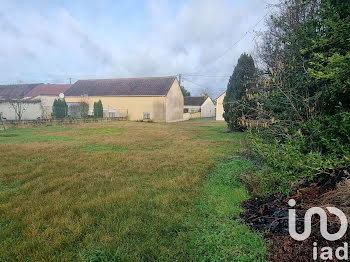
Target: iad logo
327, 252
323, 221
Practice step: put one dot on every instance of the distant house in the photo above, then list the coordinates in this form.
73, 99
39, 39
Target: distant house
155, 98
220, 106
199, 106
15, 103
47, 93
19, 91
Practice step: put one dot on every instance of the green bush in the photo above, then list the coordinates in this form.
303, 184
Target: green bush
301, 128
324, 146
330, 134
98, 109
243, 78
59, 108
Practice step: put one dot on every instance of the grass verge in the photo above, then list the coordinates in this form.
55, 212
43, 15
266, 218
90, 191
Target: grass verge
220, 234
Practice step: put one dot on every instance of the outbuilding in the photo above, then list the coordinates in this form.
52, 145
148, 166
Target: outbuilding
151, 98
199, 106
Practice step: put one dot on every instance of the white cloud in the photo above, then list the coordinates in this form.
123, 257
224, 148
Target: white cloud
52, 42
200, 33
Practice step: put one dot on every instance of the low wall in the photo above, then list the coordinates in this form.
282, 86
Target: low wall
31, 109
196, 115
187, 116
55, 122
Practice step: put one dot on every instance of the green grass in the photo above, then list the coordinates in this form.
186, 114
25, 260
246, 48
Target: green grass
218, 133
34, 160
28, 135
221, 235
102, 130
101, 148
53, 134
124, 191
101, 255
7, 188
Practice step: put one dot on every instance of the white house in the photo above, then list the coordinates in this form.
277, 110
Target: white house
47, 93
28, 101
15, 104
199, 106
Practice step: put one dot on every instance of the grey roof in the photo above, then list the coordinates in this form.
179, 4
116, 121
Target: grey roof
194, 100
16, 91
150, 86
22, 101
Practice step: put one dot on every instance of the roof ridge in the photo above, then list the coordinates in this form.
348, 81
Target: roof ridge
54, 84
147, 77
6, 85
156, 86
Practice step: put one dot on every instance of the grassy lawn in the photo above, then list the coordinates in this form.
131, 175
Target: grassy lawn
124, 191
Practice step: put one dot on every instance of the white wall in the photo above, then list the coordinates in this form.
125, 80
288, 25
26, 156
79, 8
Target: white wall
208, 108
32, 111
220, 107
47, 102
174, 103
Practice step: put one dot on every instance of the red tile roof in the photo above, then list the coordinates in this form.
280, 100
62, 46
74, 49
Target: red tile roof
48, 90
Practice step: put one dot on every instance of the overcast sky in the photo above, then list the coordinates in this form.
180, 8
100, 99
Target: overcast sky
51, 41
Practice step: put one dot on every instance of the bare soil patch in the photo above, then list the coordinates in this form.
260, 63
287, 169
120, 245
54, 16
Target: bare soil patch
271, 216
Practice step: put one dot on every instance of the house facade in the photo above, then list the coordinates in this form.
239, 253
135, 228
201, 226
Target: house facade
24, 109
15, 103
47, 93
31, 101
154, 98
220, 106
199, 106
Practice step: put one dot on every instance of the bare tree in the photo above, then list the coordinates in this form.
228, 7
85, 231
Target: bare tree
19, 106
84, 106
45, 111
274, 44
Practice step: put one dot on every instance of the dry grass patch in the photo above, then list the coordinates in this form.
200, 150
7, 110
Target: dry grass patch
114, 191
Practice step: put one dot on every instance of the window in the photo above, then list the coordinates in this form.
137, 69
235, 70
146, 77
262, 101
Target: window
185, 110
146, 115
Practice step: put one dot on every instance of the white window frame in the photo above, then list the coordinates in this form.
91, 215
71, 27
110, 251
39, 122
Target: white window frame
146, 115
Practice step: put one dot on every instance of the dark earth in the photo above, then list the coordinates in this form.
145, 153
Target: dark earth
270, 215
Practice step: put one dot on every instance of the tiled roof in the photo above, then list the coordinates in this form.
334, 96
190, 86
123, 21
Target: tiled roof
48, 90
194, 100
151, 86
16, 91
